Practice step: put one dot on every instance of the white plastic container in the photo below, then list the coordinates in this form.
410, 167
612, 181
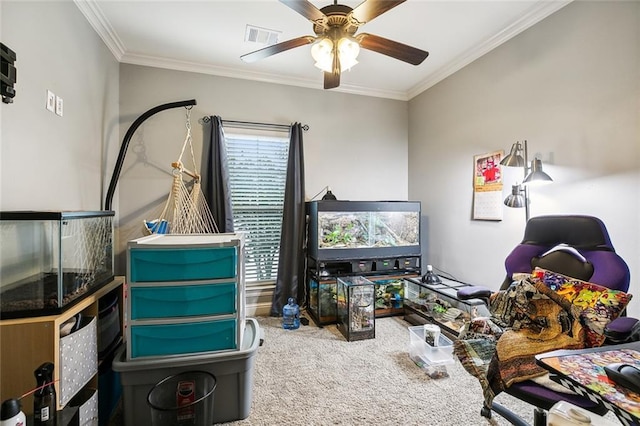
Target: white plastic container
432, 359
566, 414
421, 352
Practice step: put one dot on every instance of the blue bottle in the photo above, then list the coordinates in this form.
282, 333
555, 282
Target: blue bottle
291, 315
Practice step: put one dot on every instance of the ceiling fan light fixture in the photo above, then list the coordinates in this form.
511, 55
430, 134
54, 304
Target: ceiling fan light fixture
335, 46
348, 51
322, 53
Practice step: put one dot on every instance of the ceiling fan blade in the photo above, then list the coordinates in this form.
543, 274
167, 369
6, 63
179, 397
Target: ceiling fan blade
370, 9
277, 48
308, 10
332, 79
392, 48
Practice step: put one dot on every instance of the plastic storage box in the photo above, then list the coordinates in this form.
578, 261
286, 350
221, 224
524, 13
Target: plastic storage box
423, 353
51, 260
233, 372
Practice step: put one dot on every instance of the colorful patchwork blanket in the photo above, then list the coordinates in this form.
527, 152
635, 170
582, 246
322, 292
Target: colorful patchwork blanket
539, 313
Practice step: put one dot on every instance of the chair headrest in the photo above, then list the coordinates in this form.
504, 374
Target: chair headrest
573, 245
580, 232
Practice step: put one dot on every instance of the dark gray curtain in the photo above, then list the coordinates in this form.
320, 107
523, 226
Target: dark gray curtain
291, 263
215, 182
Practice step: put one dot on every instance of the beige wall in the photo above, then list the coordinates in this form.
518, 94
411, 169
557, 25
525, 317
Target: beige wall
355, 144
569, 85
49, 162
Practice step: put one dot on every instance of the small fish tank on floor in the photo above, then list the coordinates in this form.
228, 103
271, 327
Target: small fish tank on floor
355, 304
51, 260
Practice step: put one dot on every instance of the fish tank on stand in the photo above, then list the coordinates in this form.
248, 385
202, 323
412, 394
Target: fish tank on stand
51, 260
379, 240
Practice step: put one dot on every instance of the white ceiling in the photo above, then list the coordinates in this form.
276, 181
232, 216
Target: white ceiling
208, 37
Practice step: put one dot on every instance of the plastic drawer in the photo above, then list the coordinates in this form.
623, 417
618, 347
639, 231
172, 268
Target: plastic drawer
182, 300
179, 338
180, 264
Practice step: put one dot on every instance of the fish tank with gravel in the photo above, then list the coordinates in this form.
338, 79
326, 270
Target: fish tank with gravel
341, 230
50, 260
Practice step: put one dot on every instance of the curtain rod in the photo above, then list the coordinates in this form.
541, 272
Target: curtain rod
255, 125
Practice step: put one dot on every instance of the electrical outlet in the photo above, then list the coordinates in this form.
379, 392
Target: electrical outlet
51, 101
59, 105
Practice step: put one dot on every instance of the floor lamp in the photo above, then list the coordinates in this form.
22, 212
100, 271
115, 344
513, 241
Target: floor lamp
533, 174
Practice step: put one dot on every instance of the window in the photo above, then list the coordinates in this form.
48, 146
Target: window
257, 175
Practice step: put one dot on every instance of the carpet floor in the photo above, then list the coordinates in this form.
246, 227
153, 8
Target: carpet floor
313, 376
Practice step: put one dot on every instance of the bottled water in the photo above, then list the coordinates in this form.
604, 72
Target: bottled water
291, 315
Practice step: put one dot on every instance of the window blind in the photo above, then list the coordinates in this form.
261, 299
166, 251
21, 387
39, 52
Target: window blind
257, 175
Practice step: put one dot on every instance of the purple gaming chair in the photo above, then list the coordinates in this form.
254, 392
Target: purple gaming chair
573, 245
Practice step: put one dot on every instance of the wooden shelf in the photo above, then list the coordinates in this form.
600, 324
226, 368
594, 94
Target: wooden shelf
26, 343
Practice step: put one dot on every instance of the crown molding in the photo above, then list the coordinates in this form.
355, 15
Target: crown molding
101, 25
92, 12
535, 14
177, 65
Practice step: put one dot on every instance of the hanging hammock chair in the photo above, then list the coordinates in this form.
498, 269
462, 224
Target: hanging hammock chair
186, 211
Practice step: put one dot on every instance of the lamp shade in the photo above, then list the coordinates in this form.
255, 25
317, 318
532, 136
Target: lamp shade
348, 50
322, 53
537, 176
514, 158
329, 195
515, 199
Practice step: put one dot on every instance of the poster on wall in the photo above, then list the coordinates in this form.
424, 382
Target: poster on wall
487, 186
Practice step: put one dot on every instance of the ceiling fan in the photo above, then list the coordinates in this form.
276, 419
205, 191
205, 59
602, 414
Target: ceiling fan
336, 45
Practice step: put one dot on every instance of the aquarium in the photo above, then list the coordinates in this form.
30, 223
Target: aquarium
364, 230
356, 308
50, 260
322, 301
438, 303
389, 296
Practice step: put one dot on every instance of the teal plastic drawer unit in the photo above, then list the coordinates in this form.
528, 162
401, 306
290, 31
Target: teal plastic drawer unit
185, 295
183, 300
182, 338
180, 264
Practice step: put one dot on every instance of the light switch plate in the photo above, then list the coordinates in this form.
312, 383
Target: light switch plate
51, 101
59, 105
